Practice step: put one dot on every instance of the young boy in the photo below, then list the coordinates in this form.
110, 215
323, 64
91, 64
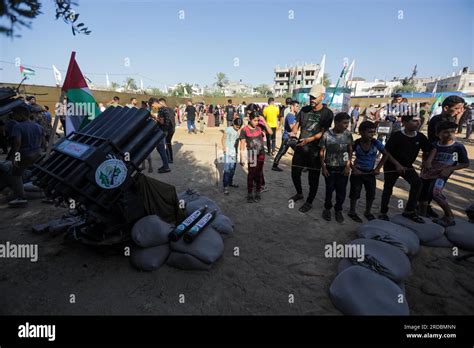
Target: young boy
403, 147
363, 173
251, 137
335, 157
446, 156
229, 144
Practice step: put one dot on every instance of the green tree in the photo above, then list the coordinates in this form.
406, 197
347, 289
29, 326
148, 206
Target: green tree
263, 91
130, 84
114, 86
326, 80
222, 80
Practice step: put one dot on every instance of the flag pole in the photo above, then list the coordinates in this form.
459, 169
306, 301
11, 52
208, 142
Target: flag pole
335, 88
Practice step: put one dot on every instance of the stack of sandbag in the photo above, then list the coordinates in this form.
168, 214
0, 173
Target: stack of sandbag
150, 234
461, 234
429, 233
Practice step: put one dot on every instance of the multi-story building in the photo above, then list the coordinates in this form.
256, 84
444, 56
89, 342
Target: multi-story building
289, 78
377, 88
462, 82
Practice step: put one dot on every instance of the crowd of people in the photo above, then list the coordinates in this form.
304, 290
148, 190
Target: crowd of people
323, 143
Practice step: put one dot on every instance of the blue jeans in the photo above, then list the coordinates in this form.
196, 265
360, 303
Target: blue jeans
230, 164
163, 153
191, 126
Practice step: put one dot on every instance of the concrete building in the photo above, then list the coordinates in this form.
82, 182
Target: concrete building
377, 88
462, 82
422, 82
289, 78
237, 87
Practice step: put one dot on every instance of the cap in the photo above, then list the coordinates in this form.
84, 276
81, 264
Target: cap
317, 90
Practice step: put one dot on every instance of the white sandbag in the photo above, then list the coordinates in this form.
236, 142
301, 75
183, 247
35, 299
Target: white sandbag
382, 258
461, 234
196, 204
186, 262
426, 232
391, 233
149, 259
207, 247
441, 242
29, 187
223, 224
360, 291
151, 231
189, 195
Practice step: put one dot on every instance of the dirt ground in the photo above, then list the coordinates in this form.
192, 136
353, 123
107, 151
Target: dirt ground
281, 253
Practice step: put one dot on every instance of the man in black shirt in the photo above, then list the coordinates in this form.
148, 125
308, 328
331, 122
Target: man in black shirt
453, 108
404, 146
313, 120
190, 113
170, 115
230, 112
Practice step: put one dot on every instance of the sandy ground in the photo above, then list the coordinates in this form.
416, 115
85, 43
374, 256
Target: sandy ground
281, 253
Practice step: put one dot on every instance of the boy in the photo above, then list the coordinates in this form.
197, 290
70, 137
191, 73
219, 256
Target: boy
335, 156
403, 147
229, 141
251, 137
290, 120
363, 173
446, 156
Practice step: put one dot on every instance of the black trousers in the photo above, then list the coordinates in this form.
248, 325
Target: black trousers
271, 140
169, 149
308, 158
336, 181
283, 149
367, 180
390, 178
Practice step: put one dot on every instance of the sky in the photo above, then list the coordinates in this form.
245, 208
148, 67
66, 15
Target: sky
245, 39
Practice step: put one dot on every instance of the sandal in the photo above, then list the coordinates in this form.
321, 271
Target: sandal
413, 217
444, 223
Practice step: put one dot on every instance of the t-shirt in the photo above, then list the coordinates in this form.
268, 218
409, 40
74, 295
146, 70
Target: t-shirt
446, 156
47, 116
231, 136
254, 139
30, 134
365, 160
271, 113
355, 114
290, 120
312, 122
433, 123
229, 111
405, 149
191, 112
336, 145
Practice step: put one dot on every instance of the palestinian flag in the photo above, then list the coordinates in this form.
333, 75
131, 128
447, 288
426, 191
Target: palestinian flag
26, 71
81, 105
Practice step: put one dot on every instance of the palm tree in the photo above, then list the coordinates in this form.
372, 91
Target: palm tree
130, 84
326, 80
114, 86
222, 80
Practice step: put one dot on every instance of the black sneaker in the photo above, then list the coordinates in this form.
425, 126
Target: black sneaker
164, 170
296, 197
413, 217
354, 217
277, 169
383, 217
369, 216
305, 207
339, 216
257, 197
250, 198
326, 214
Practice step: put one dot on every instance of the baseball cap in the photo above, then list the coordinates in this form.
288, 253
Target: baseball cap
317, 90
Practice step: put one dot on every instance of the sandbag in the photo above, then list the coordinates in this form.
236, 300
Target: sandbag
200, 202
391, 233
151, 231
149, 259
29, 187
223, 224
426, 232
189, 195
360, 291
382, 258
186, 262
207, 247
461, 234
441, 242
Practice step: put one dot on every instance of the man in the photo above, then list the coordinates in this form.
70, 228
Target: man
133, 103
470, 121
171, 127
452, 110
271, 113
289, 122
242, 110
190, 113
28, 138
313, 120
162, 118
354, 117
115, 101
230, 112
